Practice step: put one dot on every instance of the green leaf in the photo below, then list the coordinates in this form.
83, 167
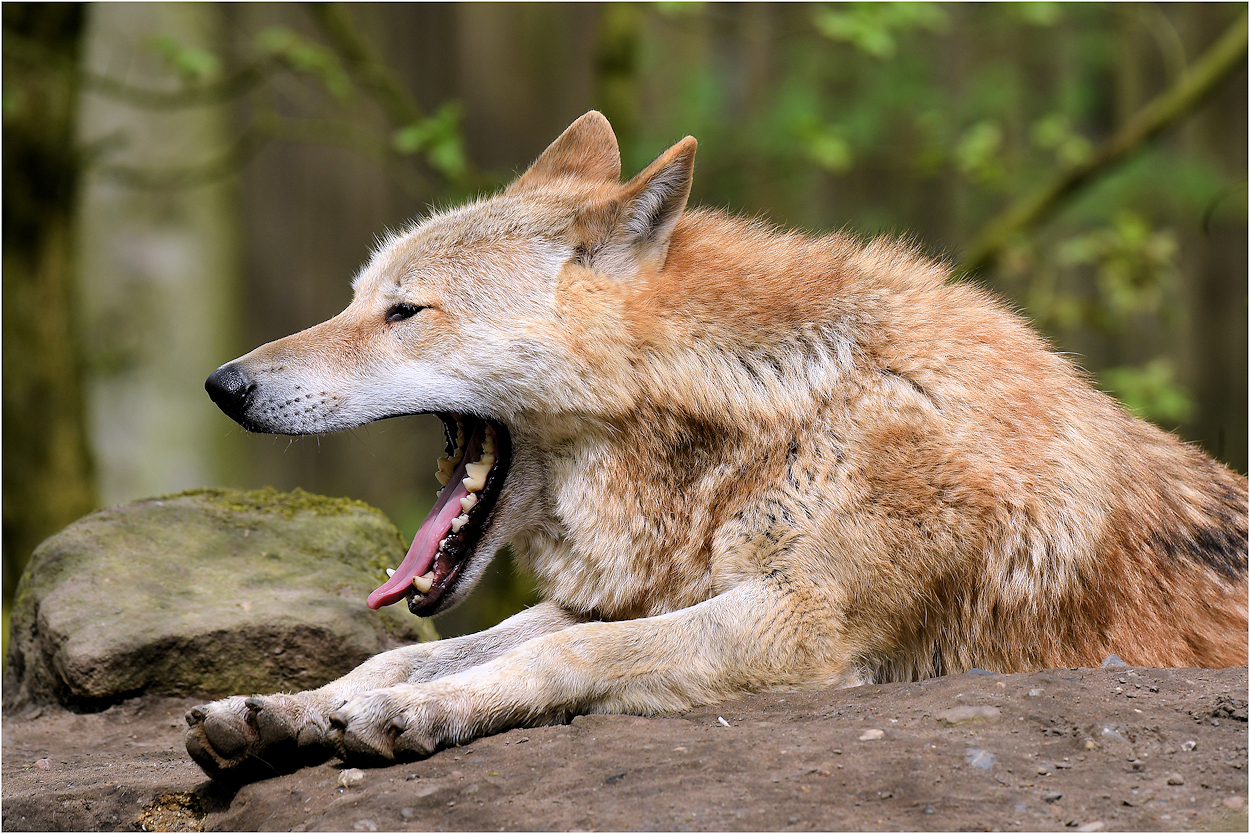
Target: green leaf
1037, 14
831, 152
303, 55
977, 151
871, 27
1151, 391
190, 62
438, 138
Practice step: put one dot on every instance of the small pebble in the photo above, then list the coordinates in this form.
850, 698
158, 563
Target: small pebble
959, 715
1234, 802
872, 735
365, 825
1112, 660
1035, 693
1052, 796
1189, 746
1110, 733
407, 813
1176, 779
978, 758
351, 777
43, 764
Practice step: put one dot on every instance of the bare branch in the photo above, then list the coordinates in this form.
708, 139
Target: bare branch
220, 92
230, 161
1169, 107
337, 25
266, 127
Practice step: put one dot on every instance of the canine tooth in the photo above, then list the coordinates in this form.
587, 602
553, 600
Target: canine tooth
468, 502
458, 522
390, 571
442, 477
476, 476
423, 583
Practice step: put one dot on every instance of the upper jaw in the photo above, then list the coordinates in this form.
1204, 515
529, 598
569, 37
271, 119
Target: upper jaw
457, 540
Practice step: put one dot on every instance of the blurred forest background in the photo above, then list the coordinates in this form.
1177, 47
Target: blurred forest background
183, 182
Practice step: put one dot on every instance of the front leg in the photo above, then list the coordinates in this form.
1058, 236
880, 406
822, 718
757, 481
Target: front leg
242, 739
752, 638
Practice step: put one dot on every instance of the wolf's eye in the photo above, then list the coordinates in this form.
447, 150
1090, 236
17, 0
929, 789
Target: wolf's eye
402, 311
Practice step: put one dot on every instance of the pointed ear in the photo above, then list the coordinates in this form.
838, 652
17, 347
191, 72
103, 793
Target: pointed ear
649, 206
585, 150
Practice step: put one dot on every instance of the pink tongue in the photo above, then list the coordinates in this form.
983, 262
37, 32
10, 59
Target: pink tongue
424, 548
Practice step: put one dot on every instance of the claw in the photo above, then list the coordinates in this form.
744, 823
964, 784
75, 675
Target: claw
337, 720
195, 715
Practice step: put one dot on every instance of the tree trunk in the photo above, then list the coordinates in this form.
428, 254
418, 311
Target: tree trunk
47, 468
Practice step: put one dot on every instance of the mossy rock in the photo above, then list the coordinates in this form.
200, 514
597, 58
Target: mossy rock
208, 593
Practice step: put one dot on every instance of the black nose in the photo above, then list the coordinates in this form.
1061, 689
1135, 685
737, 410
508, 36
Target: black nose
231, 388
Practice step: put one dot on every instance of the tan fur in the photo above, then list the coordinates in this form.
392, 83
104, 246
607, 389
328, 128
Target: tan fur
745, 460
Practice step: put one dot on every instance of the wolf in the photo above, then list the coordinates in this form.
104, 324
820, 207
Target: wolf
734, 459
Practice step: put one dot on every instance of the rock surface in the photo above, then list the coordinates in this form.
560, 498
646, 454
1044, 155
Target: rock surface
206, 593
1073, 749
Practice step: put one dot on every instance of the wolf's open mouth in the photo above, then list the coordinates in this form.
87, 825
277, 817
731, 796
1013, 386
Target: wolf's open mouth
472, 474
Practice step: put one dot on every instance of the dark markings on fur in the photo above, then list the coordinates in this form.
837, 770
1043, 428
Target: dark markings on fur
778, 511
748, 365
916, 386
791, 458
1220, 548
778, 579
777, 367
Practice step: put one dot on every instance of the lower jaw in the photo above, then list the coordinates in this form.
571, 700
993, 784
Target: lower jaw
432, 603
442, 591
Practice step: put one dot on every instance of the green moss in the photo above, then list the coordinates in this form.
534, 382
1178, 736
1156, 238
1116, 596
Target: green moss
270, 500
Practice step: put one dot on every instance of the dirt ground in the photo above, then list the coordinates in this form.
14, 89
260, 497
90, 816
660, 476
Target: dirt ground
1085, 749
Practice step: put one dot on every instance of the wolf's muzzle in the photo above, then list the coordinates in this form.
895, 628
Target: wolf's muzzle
231, 389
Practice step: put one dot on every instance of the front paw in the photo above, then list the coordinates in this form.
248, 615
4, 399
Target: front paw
397, 724
244, 739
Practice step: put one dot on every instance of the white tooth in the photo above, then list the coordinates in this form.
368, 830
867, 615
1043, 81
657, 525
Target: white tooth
458, 522
442, 477
423, 583
390, 571
488, 444
447, 465
468, 502
488, 459
458, 456
476, 476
